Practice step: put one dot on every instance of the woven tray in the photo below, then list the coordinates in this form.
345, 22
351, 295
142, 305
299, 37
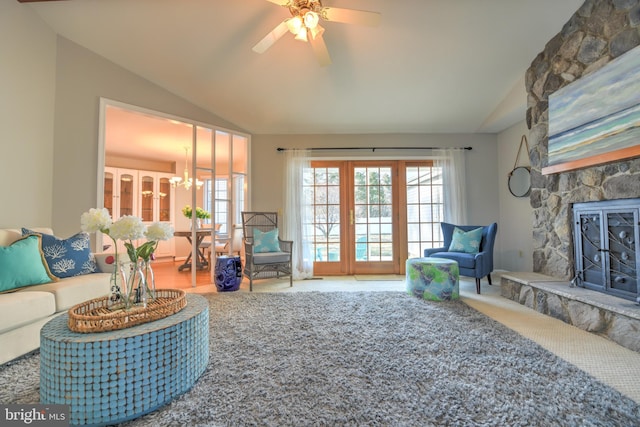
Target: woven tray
95, 315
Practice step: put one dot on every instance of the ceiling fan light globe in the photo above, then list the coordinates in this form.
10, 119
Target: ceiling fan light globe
311, 20
294, 24
302, 34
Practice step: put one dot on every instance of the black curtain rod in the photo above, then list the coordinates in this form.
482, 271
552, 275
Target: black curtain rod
373, 148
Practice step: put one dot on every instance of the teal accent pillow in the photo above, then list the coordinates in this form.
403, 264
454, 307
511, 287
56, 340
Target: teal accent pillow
468, 242
67, 257
265, 242
22, 264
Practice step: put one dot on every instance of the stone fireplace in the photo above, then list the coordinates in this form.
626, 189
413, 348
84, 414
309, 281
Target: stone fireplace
605, 238
598, 32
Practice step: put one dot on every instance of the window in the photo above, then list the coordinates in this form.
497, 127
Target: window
425, 208
322, 193
221, 203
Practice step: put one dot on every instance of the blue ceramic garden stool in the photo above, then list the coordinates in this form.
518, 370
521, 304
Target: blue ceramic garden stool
434, 279
228, 273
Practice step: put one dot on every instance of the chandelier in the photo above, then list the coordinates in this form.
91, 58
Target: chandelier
186, 182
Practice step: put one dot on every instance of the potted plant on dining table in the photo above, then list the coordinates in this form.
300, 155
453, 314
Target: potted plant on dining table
201, 214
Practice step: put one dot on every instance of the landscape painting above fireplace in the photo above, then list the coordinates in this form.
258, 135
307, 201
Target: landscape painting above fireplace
596, 119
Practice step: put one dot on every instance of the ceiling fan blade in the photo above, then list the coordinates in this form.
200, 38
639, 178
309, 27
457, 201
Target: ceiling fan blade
320, 49
271, 38
350, 16
280, 2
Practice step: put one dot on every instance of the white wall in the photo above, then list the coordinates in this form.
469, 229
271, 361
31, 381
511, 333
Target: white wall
82, 78
514, 243
27, 91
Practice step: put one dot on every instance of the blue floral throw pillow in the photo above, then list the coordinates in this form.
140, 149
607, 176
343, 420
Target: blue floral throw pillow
468, 242
67, 257
265, 242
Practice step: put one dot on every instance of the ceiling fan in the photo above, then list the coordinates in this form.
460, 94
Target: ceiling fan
304, 24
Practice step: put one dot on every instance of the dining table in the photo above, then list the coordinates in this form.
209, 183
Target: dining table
201, 261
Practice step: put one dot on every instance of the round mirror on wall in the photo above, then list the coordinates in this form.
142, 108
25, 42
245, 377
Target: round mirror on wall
520, 181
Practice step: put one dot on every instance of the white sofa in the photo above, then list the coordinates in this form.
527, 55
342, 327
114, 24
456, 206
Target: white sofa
24, 311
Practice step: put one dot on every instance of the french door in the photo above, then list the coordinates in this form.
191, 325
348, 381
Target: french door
368, 217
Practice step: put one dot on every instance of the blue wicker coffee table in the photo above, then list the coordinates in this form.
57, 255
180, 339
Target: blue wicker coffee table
110, 377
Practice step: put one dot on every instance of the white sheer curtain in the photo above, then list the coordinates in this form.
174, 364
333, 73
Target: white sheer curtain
452, 162
295, 212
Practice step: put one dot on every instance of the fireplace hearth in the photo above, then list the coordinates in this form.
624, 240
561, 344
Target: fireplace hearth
607, 247
608, 316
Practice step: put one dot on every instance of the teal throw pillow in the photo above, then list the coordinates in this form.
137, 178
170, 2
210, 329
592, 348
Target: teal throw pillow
22, 264
265, 242
468, 242
67, 257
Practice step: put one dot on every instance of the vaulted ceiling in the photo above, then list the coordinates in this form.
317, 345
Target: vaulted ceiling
431, 66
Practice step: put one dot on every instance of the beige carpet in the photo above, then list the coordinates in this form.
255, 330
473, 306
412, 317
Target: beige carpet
607, 361
379, 277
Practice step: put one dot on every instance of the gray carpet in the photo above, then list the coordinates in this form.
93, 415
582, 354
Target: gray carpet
368, 359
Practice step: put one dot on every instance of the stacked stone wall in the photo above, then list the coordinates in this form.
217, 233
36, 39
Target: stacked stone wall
600, 31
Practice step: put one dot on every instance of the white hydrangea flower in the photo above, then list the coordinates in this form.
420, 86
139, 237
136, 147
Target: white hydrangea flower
159, 231
95, 220
127, 228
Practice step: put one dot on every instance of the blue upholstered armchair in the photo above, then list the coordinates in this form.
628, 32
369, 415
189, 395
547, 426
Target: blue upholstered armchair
475, 265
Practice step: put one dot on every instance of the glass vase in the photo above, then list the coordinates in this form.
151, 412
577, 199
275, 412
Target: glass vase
115, 291
150, 279
134, 287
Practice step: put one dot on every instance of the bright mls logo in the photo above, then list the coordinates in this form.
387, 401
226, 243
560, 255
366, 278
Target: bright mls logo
34, 415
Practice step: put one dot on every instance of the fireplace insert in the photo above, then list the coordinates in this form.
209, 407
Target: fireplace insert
607, 248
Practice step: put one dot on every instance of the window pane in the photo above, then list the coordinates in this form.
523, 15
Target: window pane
413, 213
321, 176
333, 176
321, 195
